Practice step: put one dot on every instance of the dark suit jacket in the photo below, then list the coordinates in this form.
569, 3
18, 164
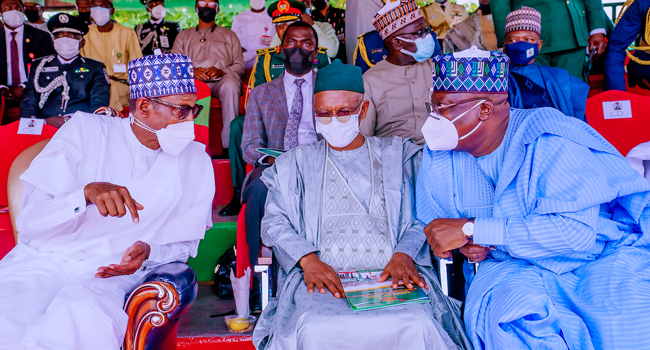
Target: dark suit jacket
565, 24
36, 44
88, 82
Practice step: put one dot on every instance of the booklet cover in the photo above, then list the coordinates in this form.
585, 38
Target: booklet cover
270, 152
364, 292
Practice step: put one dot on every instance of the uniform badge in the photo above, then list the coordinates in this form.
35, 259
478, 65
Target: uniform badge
63, 18
108, 80
283, 6
82, 70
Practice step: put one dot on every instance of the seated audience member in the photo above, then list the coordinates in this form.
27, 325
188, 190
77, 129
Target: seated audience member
34, 13
370, 50
270, 62
334, 16
630, 27
114, 45
326, 33
217, 56
86, 242
156, 33
62, 84
532, 86
83, 10
397, 87
254, 28
20, 45
279, 115
557, 217
346, 203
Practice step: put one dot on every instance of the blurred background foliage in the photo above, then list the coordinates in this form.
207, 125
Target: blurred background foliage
186, 16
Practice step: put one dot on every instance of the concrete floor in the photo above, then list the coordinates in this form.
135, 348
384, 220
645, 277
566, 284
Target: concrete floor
196, 322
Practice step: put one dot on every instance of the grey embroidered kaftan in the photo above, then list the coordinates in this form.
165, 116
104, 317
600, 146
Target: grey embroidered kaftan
293, 227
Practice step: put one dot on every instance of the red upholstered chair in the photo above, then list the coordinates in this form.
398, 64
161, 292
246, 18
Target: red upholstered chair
623, 132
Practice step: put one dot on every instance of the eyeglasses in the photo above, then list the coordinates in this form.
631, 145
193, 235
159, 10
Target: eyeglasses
343, 115
183, 110
438, 107
212, 5
419, 34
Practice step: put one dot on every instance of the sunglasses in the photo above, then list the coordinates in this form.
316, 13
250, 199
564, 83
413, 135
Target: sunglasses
343, 115
183, 110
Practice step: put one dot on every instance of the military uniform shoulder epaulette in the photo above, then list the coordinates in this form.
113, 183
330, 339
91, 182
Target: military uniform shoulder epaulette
262, 52
40, 58
322, 50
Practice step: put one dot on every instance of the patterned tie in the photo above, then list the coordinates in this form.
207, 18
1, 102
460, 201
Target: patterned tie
291, 133
15, 69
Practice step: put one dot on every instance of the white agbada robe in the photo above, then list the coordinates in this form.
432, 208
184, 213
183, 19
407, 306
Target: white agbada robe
49, 297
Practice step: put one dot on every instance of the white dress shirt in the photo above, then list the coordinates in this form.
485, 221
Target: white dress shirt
250, 27
306, 130
19, 40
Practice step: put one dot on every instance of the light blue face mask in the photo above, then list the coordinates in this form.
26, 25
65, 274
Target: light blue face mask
425, 47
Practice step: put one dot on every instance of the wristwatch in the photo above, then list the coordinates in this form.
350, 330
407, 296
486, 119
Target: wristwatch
468, 228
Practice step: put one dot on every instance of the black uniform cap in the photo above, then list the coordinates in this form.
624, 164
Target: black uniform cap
63, 22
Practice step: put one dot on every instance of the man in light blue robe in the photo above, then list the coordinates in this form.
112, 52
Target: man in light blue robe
533, 86
557, 217
347, 203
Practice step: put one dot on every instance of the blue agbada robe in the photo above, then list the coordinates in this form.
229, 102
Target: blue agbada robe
569, 219
549, 87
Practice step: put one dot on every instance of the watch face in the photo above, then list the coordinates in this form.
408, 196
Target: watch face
468, 229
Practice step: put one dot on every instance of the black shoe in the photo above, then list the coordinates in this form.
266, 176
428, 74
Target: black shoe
234, 206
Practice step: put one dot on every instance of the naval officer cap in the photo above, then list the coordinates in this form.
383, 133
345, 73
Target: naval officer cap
63, 22
339, 76
161, 75
472, 70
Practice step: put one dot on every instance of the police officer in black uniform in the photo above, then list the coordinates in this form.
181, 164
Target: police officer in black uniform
62, 84
156, 33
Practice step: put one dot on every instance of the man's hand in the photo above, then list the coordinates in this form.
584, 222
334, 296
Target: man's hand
269, 160
5, 92
401, 267
214, 73
474, 252
307, 19
199, 73
319, 275
56, 122
445, 235
131, 261
112, 200
17, 93
598, 41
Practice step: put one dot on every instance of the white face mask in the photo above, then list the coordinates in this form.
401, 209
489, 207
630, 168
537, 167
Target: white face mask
339, 134
258, 4
13, 18
174, 138
158, 12
67, 48
440, 132
100, 15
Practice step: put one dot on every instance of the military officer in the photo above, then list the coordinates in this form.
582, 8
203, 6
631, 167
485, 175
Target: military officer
62, 84
270, 63
156, 33
370, 51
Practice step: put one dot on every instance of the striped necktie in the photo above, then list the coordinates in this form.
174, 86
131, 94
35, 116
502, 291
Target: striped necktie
291, 132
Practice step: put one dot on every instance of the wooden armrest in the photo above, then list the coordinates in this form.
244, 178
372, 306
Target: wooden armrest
148, 307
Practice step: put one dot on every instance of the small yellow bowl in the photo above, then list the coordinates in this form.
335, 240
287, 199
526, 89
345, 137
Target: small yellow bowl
240, 324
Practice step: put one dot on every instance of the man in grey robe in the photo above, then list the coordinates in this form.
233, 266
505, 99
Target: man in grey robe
347, 203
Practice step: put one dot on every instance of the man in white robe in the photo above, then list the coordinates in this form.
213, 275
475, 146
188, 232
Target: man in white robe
346, 203
107, 200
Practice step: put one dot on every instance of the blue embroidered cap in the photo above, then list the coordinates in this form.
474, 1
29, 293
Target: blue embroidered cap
161, 75
472, 70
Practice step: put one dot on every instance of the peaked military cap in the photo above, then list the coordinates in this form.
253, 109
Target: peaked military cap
63, 22
286, 11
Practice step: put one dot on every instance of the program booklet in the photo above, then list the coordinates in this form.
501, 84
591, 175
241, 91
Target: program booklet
270, 152
364, 292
